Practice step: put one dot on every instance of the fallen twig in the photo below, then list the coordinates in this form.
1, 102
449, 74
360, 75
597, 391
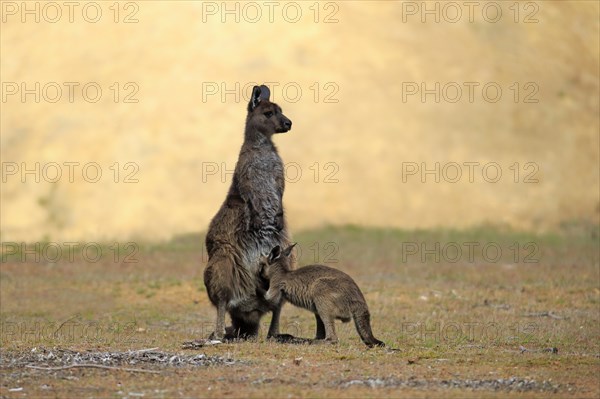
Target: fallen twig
144, 350
98, 366
199, 343
544, 314
553, 350
65, 322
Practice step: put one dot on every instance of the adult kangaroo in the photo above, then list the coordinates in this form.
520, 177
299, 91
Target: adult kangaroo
248, 225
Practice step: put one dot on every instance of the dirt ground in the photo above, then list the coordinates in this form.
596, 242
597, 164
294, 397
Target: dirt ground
518, 315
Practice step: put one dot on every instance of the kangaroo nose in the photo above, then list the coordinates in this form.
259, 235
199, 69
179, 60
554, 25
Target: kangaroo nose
288, 124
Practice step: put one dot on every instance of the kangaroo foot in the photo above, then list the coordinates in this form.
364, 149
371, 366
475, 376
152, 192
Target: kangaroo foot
375, 342
216, 336
288, 339
230, 335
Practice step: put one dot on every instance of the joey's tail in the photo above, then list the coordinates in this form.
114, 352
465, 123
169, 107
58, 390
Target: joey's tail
362, 321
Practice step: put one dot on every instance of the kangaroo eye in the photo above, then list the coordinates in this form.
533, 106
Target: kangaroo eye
268, 114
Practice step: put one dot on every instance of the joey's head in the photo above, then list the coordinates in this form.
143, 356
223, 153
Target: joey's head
265, 116
277, 261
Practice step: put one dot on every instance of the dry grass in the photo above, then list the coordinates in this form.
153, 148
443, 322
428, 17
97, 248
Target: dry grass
468, 320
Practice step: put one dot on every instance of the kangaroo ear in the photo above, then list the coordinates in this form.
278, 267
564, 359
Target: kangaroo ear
288, 250
265, 93
275, 254
254, 98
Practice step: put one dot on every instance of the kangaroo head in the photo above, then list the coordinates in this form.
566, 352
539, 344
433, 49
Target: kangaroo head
276, 260
265, 116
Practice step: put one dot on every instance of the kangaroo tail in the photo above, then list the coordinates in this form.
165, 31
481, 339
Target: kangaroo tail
362, 321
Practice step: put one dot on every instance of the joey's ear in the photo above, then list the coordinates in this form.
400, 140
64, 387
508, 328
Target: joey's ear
288, 250
275, 254
254, 98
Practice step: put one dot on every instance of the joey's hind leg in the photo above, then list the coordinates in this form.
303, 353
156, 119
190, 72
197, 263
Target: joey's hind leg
328, 323
330, 335
320, 327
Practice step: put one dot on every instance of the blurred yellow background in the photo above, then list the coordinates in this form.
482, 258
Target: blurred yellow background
175, 78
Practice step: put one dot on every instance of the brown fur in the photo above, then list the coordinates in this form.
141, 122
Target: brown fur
248, 224
329, 293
